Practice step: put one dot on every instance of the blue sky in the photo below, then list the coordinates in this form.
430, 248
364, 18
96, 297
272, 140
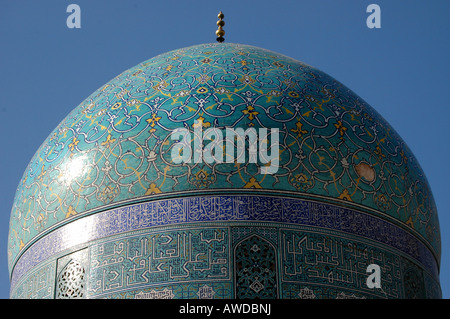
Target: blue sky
401, 69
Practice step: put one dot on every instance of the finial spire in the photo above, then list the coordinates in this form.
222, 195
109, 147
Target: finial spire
220, 31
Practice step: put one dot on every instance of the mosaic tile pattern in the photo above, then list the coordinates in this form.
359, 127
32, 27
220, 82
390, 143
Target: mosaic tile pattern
38, 284
107, 170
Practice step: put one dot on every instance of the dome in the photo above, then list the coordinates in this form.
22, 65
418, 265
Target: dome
143, 191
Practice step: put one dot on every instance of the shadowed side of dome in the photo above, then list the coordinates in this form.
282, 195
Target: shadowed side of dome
110, 169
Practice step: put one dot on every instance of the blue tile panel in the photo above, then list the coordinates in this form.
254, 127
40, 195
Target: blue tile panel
193, 247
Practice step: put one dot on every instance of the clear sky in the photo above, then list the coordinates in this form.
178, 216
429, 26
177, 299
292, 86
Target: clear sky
402, 69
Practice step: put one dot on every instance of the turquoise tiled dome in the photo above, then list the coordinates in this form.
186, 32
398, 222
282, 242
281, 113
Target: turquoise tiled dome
342, 169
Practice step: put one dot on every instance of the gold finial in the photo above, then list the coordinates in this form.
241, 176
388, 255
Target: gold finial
220, 31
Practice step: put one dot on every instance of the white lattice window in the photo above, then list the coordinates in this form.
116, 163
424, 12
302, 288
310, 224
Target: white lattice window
71, 281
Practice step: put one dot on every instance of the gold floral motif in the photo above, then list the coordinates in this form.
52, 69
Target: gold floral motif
160, 86
250, 111
252, 183
345, 195
340, 127
74, 143
201, 179
108, 141
247, 79
200, 122
152, 121
71, 212
298, 129
153, 189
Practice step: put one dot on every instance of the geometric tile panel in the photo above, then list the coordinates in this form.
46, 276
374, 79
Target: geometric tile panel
199, 258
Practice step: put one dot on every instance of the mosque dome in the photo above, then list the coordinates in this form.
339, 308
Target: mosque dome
279, 182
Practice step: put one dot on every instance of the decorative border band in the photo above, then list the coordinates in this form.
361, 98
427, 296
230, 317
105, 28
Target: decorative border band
223, 208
